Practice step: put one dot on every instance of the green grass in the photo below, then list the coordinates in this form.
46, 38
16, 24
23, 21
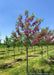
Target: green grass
35, 64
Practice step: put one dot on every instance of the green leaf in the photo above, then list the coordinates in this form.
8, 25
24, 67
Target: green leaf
16, 18
37, 19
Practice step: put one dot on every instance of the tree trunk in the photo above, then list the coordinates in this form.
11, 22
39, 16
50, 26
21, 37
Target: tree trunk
27, 60
3, 54
18, 49
34, 49
14, 53
47, 50
21, 50
8, 51
42, 51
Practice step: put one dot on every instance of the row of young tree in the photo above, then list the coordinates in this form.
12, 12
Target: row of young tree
28, 33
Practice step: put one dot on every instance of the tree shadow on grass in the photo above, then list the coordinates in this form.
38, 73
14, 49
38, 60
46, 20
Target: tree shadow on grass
16, 54
2, 51
20, 59
1, 57
5, 66
10, 50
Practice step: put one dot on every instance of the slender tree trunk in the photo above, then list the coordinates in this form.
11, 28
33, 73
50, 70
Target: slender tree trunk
14, 53
3, 54
18, 49
34, 49
8, 51
27, 60
47, 50
21, 50
42, 51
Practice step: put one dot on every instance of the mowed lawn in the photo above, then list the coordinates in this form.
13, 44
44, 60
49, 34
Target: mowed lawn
13, 62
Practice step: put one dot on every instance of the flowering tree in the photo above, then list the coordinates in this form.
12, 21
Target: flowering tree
51, 40
40, 38
45, 37
48, 38
26, 30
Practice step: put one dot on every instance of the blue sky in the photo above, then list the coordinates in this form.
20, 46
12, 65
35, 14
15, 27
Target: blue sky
10, 9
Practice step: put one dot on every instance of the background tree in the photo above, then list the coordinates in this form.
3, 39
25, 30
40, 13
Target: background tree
7, 43
48, 38
13, 43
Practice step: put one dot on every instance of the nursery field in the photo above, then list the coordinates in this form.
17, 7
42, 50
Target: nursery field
13, 61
